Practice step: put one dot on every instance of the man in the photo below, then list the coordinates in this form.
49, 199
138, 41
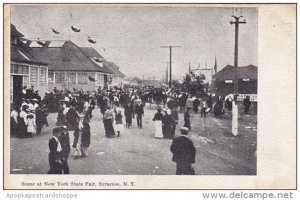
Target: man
55, 155
175, 117
196, 104
247, 104
184, 153
41, 120
65, 145
187, 115
139, 111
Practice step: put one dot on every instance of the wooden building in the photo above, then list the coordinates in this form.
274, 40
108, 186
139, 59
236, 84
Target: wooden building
223, 81
70, 66
25, 68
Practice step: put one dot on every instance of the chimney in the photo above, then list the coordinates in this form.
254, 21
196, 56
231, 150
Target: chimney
47, 43
28, 43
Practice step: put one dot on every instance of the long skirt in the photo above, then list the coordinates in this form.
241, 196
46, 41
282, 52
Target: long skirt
158, 129
119, 127
109, 129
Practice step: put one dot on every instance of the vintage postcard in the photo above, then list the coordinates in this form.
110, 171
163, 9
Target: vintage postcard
150, 96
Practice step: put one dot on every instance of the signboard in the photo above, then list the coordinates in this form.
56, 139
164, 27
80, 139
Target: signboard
253, 97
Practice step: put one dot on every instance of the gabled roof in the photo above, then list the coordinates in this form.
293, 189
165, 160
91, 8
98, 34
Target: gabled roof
14, 33
67, 57
228, 73
19, 54
92, 54
112, 67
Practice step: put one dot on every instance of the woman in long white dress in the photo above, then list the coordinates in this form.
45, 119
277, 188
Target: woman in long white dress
158, 123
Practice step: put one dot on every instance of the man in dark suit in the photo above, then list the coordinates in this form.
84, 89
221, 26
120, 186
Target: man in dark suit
139, 111
65, 145
55, 155
184, 153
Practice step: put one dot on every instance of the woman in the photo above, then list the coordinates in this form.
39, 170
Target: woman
187, 115
158, 123
22, 120
108, 123
85, 138
167, 123
77, 138
119, 122
128, 114
14, 125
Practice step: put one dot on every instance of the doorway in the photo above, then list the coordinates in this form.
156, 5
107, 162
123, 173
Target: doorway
17, 89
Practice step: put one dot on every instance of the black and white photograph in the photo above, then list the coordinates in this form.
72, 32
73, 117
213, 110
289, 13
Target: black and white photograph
133, 89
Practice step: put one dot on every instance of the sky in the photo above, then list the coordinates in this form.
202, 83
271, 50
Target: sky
131, 36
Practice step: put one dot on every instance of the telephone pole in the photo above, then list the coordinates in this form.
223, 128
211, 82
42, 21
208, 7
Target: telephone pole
170, 74
166, 73
237, 22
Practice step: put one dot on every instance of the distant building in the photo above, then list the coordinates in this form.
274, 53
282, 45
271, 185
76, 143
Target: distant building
223, 81
70, 66
25, 68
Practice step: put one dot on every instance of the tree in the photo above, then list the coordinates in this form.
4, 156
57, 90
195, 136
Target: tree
194, 84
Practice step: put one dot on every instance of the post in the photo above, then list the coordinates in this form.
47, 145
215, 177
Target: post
236, 50
170, 83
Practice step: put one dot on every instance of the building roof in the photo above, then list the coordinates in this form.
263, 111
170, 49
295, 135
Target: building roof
228, 73
110, 66
14, 33
113, 67
19, 54
66, 56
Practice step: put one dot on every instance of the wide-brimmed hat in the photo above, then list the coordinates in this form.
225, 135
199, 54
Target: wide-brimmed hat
81, 115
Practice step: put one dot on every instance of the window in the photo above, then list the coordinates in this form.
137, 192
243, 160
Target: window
43, 74
25, 81
101, 79
33, 75
50, 76
71, 77
82, 78
59, 77
19, 69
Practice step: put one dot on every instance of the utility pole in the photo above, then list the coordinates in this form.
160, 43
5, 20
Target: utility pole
166, 73
237, 22
170, 74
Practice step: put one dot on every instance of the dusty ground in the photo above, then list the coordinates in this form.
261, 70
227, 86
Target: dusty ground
137, 152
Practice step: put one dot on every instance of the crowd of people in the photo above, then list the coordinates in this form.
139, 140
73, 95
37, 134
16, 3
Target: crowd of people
75, 111
28, 115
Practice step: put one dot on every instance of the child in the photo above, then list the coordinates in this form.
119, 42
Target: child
119, 122
31, 126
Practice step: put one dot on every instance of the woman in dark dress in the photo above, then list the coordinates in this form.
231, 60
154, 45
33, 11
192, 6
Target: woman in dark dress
85, 137
22, 133
61, 120
108, 123
187, 116
128, 114
167, 123
14, 125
